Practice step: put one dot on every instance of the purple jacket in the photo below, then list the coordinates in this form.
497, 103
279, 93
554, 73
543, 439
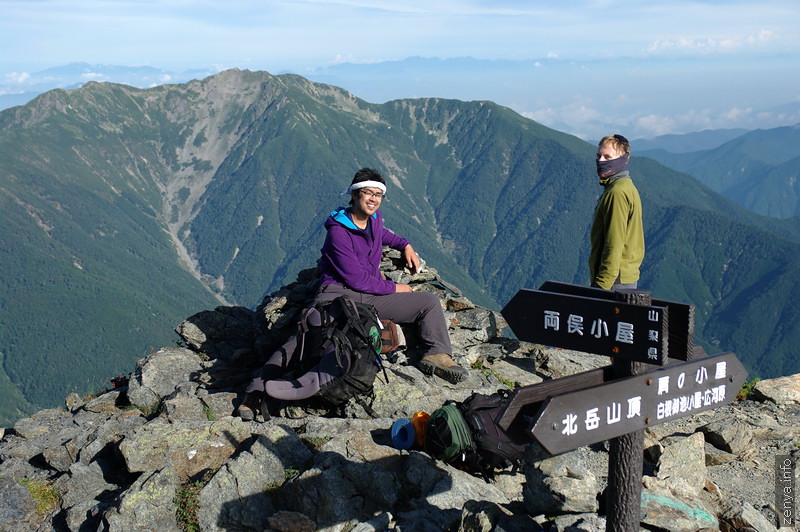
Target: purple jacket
352, 258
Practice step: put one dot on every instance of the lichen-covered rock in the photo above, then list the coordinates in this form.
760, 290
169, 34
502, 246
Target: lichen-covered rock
17, 506
237, 496
187, 447
157, 375
730, 435
681, 467
148, 505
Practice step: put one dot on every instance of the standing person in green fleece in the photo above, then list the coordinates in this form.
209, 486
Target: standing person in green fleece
617, 234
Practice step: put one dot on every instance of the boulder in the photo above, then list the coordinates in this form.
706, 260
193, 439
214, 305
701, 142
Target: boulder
17, 507
157, 375
681, 466
782, 391
187, 447
662, 510
147, 505
729, 435
561, 484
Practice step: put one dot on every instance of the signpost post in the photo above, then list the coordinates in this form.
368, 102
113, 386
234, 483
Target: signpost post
644, 385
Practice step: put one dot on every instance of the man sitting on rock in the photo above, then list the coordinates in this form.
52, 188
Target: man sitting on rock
350, 266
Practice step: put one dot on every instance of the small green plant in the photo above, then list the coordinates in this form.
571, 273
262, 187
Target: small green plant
149, 411
44, 495
209, 413
480, 364
314, 442
187, 503
488, 372
187, 506
747, 389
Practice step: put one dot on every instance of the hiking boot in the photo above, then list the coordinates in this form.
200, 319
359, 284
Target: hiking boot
250, 406
442, 365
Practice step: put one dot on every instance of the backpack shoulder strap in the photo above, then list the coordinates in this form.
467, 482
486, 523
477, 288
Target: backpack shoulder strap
353, 315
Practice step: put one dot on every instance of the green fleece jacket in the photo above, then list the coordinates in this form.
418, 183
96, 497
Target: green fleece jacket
617, 235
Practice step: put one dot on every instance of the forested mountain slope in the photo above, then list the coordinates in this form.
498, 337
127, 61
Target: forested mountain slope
122, 205
759, 170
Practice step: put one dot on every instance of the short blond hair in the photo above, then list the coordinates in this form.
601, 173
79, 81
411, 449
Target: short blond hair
618, 142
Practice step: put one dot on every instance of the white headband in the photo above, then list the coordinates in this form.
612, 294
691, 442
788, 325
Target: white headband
362, 184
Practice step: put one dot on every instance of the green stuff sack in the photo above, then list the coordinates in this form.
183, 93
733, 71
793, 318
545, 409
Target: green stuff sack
448, 437
466, 435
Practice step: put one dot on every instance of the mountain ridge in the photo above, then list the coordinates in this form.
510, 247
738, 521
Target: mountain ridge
233, 175
758, 170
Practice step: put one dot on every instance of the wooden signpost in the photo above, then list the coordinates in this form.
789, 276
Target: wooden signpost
645, 385
590, 325
591, 415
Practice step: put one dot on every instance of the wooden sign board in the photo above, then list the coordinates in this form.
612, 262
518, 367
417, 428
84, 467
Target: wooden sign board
524, 403
598, 413
681, 316
592, 325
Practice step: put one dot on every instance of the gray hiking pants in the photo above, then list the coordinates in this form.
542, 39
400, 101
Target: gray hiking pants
421, 309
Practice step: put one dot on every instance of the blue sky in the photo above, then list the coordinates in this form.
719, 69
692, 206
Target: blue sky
640, 67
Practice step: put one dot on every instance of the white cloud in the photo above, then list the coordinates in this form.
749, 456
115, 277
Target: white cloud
653, 125
736, 113
92, 76
17, 77
709, 45
351, 58
590, 122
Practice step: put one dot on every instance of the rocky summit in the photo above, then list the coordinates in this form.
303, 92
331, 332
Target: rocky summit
162, 448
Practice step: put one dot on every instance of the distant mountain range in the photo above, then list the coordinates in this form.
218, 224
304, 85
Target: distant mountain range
548, 89
124, 205
759, 170
687, 142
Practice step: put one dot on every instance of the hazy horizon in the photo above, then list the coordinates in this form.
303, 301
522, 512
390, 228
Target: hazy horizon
587, 68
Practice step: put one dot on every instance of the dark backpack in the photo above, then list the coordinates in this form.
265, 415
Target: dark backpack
486, 447
335, 356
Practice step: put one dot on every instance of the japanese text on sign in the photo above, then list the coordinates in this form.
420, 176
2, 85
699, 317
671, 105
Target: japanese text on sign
623, 332
592, 325
581, 417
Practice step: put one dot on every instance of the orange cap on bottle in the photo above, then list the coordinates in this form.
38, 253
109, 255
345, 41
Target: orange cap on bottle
420, 423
